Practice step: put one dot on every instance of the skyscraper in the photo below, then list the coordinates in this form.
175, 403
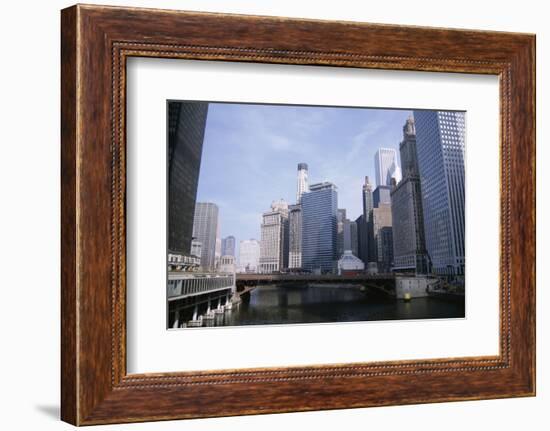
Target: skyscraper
386, 166
218, 252
350, 237
363, 240
295, 236
228, 246
319, 214
364, 224
196, 248
340, 220
249, 255
409, 245
367, 199
186, 125
274, 239
205, 230
383, 236
302, 184
381, 195
440, 142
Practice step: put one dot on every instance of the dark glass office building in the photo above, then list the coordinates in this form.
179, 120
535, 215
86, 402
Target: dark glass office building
319, 227
381, 195
186, 126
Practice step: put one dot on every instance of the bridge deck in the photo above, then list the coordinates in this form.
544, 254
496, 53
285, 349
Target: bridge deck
263, 278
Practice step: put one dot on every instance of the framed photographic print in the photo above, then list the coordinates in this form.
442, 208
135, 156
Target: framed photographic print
266, 215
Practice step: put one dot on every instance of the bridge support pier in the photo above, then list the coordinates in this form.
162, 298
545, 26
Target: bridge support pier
220, 308
228, 302
177, 321
197, 320
209, 313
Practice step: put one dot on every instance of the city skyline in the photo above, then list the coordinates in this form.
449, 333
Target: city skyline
291, 228
287, 136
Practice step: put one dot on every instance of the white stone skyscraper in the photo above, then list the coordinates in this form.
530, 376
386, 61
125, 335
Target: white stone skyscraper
274, 238
302, 186
249, 255
440, 144
386, 167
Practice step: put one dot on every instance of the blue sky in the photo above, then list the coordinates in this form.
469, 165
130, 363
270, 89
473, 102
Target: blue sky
251, 152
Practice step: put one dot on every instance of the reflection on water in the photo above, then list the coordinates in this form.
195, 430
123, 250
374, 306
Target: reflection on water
284, 304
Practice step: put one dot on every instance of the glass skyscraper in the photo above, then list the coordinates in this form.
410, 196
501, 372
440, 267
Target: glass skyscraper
205, 230
350, 237
319, 227
440, 145
186, 126
386, 167
381, 195
228, 246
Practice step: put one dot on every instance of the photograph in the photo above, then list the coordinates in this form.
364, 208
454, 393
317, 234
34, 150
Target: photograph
297, 214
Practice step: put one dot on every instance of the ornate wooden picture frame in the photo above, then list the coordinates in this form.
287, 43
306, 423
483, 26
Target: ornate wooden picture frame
96, 41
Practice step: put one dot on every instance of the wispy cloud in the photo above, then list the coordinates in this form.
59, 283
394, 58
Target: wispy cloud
251, 152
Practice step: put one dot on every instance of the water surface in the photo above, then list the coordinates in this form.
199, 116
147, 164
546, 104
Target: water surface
318, 304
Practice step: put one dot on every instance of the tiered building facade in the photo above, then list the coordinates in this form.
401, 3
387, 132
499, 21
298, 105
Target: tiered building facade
274, 238
409, 245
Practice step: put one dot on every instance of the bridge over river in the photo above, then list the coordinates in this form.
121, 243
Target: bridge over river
195, 299
375, 284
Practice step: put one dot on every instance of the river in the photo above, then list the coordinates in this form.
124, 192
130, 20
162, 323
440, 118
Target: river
273, 305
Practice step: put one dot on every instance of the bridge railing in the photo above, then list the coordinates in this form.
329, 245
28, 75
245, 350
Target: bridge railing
179, 287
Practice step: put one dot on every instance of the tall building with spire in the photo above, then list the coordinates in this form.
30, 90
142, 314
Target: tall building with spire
440, 142
409, 244
365, 245
302, 184
367, 198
